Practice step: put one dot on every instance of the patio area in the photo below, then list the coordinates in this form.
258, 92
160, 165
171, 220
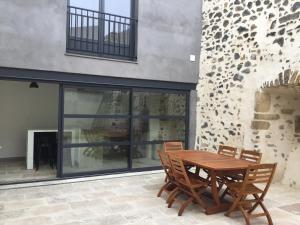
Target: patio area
128, 200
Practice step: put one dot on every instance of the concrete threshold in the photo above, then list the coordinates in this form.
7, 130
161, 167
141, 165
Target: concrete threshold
77, 180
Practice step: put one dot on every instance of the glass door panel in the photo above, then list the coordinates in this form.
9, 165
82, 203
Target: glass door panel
91, 101
95, 158
96, 128
158, 129
87, 130
85, 4
118, 7
145, 155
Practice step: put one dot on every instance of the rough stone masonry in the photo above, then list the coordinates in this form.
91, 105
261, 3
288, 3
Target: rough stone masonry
248, 91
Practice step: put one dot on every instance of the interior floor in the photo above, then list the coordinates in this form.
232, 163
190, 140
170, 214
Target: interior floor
15, 171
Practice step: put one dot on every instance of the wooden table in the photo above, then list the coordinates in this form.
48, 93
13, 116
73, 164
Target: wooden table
215, 164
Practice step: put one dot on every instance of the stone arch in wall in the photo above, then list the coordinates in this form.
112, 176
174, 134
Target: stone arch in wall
276, 124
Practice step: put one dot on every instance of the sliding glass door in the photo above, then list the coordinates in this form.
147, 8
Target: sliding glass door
95, 130
158, 116
109, 130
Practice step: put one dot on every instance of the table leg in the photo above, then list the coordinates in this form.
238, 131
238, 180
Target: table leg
218, 207
214, 188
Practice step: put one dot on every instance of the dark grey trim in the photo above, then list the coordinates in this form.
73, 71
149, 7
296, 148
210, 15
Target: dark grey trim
83, 145
60, 131
187, 121
78, 78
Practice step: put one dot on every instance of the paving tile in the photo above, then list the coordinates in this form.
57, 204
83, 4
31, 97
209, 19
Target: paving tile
293, 208
126, 201
37, 220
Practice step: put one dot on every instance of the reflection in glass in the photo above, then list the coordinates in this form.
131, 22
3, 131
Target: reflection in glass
145, 155
86, 4
88, 130
96, 101
154, 104
88, 159
158, 129
118, 7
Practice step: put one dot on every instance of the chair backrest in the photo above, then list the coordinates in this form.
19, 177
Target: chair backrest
250, 155
179, 171
165, 162
227, 151
173, 146
262, 174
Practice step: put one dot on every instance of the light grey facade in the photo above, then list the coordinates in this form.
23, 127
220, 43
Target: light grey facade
33, 36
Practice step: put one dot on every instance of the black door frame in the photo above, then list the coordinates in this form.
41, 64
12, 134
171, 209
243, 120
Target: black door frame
75, 79
131, 117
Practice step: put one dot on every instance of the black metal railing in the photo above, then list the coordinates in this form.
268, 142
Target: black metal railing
100, 34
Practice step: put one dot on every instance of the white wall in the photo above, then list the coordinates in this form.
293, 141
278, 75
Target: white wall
23, 108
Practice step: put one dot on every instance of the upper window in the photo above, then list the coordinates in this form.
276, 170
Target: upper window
105, 28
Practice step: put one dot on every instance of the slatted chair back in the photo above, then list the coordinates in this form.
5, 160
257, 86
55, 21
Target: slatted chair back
179, 170
250, 155
165, 162
173, 146
227, 151
262, 174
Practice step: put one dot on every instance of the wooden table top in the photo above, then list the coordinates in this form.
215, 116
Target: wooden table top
211, 161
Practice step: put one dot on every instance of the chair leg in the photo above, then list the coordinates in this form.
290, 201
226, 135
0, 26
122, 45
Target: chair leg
166, 178
196, 196
245, 214
171, 194
172, 200
267, 213
259, 202
233, 206
184, 205
162, 189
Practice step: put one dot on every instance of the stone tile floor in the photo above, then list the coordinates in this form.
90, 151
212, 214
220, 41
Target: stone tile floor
128, 200
15, 170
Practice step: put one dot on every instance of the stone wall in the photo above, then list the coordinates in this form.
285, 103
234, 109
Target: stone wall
274, 130
245, 45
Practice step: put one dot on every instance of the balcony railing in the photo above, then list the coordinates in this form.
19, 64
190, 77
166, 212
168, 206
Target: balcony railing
101, 34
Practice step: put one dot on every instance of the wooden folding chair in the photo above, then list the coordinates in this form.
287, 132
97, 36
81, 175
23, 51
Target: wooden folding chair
248, 155
188, 184
227, 151
251, 155
257, 174
173, 146
170, 182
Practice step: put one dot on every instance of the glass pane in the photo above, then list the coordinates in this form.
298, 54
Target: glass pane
118, 7
86, 4
78, 130
159, 104
96, 101
85, 159
158, 129
145, 155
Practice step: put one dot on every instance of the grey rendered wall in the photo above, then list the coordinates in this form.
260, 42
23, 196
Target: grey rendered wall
24, 108
33, 36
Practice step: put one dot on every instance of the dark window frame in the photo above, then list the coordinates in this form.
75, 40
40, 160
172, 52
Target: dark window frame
131, 117
129, 52
89, 80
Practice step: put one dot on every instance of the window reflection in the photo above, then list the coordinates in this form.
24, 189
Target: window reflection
164, 104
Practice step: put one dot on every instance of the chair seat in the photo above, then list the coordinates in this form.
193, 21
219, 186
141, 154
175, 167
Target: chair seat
250, 188
195, 180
